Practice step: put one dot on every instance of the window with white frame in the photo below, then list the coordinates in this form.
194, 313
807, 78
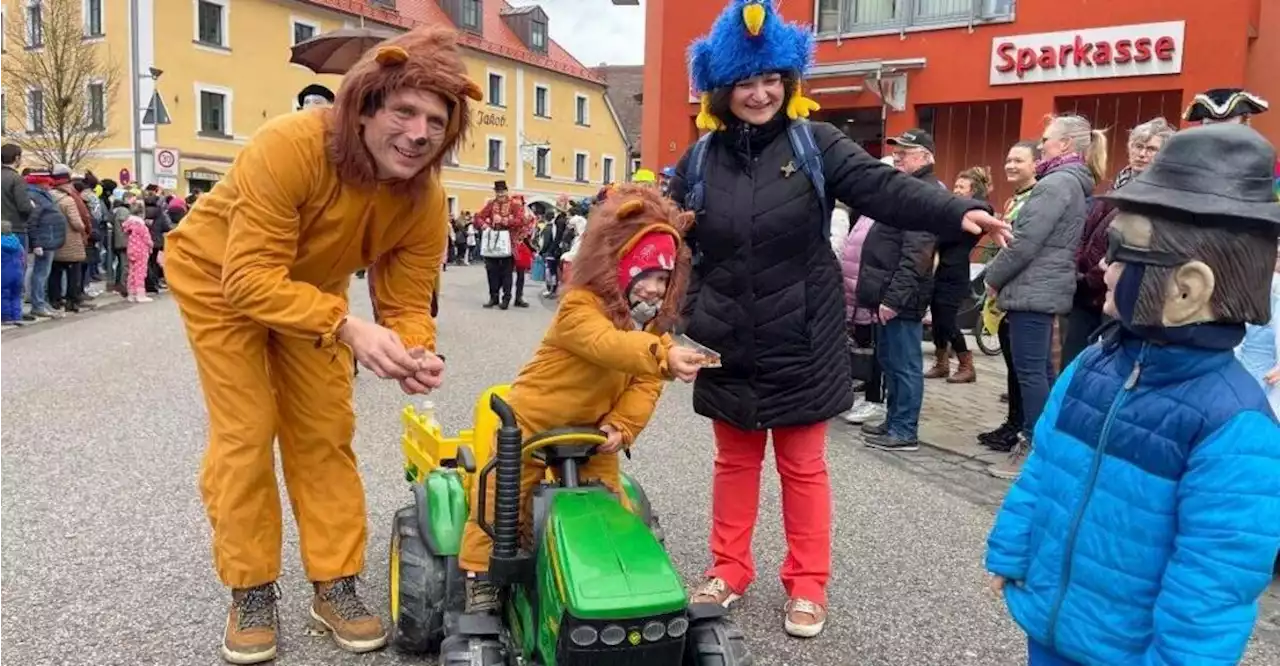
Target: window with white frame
92, 18
542, 163
635, 164
496, 89
453, 206
580, 162
35, 110
451, 157
606, 169
581, 109
470, 15
211, 22
214, 112
542, 100
303, 30
496, 154
35, 23
96, 108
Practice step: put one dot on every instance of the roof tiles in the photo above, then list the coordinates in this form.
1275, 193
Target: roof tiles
498, 38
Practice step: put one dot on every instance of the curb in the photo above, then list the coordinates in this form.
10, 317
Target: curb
107, 304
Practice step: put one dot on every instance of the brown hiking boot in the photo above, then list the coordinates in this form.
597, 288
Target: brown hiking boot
339, 609
965, 372
250, 633
715, 591
481, 596
941, 363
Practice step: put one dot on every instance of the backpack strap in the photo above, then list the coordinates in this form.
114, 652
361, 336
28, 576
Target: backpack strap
695, 183
805, 147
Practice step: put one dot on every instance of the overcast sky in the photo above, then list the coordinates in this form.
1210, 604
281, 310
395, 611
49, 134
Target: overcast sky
596, 31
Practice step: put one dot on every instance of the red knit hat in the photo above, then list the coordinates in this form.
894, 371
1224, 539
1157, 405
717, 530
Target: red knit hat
655, 251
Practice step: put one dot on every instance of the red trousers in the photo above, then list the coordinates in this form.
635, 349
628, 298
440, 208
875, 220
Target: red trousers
806, 506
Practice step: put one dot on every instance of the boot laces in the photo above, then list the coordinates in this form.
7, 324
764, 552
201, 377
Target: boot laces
256, 607
346, 603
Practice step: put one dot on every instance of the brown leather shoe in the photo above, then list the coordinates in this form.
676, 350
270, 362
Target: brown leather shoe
941, 363
250, 633
715, 591
965, 372
339, 609
805, 619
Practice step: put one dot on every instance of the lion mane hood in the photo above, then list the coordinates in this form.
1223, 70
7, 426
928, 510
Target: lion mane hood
425, 58
614, 226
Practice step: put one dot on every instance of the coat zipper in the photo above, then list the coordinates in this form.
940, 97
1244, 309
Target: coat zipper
1129, 384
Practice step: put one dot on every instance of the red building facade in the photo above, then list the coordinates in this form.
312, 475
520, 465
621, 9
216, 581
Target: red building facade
982, 74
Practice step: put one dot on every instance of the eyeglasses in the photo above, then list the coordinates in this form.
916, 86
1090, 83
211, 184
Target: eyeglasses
1118, 251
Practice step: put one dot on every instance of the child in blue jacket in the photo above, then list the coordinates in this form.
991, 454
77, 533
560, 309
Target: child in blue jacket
1144, 526
12, 266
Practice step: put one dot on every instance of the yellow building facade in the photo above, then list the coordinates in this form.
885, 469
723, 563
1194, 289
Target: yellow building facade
224, 71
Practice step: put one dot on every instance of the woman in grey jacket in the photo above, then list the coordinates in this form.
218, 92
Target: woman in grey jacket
1035, 277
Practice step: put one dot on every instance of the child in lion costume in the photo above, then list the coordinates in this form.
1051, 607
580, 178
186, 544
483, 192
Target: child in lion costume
603, 360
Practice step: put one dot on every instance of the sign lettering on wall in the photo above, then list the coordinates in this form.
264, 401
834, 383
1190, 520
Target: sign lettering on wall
1145, 49
491, 120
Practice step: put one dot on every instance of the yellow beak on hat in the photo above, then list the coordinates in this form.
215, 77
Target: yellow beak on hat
753, 18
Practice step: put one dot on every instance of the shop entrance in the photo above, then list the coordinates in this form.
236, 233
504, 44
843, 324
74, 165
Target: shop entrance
1118, 114
864, 125
973, 134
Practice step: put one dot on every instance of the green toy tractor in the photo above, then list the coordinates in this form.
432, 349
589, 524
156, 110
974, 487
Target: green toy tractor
596, 587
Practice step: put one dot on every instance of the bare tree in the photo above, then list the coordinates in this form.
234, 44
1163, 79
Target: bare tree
62, 85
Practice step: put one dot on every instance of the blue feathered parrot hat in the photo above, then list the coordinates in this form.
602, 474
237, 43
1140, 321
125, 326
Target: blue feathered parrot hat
748, 39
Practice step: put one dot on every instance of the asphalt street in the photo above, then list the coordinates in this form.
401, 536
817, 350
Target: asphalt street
106, 550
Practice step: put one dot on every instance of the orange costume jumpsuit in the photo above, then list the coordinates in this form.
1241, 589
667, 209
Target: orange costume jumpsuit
586, 372
260, 269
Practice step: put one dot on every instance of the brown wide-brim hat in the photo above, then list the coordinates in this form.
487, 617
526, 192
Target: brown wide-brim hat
1212, 172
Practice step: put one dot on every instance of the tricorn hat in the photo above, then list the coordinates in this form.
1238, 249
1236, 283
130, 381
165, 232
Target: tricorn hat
1221, 104
1219, 170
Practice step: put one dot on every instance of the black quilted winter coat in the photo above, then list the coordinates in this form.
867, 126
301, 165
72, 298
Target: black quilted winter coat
767, 291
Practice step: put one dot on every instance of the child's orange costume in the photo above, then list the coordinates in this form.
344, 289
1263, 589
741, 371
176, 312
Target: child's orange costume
260, 269
593, 367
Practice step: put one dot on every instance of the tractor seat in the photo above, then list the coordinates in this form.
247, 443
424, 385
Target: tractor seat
559, 444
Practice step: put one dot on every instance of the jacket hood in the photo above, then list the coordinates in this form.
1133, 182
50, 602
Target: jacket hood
629, 212
1080, 173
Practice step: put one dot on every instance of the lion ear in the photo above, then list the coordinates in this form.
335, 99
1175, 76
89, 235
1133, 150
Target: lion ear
391, 55
470, 89
630, 208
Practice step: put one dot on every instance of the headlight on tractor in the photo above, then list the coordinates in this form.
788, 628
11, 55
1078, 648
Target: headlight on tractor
643, 641
583, 635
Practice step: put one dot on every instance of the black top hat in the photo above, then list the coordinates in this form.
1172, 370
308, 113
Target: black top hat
1219, 170
499, 186
1221, 104
315, 89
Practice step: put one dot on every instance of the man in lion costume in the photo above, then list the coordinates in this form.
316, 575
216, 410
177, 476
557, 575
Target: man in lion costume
260, 269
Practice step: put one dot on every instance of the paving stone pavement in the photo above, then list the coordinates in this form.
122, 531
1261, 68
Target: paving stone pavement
950, 420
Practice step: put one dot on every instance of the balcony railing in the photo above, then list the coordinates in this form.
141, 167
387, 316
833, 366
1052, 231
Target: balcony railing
853, 17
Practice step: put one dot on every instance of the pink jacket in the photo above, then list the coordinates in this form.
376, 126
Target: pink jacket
850, 263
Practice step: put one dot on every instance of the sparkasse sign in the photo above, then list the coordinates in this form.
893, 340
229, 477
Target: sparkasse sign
1144, 49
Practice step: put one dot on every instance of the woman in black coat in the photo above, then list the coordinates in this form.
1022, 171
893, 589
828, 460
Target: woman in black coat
767, 294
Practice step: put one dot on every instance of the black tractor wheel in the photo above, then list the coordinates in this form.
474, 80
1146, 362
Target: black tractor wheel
716, 642
472, 651
417, 588
645, 511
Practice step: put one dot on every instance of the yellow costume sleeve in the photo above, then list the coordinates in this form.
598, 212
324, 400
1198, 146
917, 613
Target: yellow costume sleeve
630, 414
581, 328
406, 277
273, 179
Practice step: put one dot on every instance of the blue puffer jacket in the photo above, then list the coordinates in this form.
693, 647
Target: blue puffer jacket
1145, 523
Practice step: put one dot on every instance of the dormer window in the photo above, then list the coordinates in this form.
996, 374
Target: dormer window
538, 35
529, 23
